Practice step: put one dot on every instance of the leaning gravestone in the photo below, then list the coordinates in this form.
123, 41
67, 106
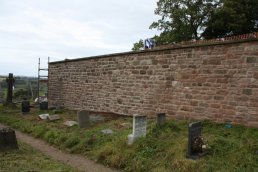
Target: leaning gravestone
195, 141
83, 118
139, 128
7, 138
161, 119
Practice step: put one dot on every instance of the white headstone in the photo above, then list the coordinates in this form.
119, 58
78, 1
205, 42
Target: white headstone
44, 116
139, 128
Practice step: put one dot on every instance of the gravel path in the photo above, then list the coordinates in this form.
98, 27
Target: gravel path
74, 160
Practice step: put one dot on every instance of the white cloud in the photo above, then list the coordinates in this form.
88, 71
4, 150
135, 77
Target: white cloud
30, 29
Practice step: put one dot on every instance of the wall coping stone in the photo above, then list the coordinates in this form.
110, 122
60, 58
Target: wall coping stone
157, 50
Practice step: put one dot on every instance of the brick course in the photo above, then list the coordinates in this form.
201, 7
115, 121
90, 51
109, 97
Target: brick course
217, 82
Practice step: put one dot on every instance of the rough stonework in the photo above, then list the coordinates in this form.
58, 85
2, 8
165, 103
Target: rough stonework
217, 82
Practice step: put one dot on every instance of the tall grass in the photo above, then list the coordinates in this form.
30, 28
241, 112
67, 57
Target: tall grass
163, 149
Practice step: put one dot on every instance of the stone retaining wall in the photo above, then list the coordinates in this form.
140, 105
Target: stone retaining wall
217, 82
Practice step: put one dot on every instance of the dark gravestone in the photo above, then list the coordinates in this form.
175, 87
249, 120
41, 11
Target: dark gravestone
195, 141
83, 118
43, 105
161, 119
10, 80
7, 138
25, 106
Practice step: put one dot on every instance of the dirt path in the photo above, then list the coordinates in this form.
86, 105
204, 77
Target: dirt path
74, 160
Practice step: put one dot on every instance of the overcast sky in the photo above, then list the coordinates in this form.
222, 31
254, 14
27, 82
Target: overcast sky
61, 29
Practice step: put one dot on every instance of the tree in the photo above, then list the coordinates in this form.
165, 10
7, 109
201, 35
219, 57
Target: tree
138, 45
20, 94
234, 17
182, 20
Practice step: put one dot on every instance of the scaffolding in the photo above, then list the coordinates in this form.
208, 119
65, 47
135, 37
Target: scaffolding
42, 78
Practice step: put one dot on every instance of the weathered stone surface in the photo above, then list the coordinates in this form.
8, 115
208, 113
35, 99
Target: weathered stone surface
139, 128
7, 138
252, 59
10, 81
83, 118
53, 117
194, 132
43, 105
161, 119
204, 86
43, 116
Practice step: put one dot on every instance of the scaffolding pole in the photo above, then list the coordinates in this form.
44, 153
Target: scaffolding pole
42, 76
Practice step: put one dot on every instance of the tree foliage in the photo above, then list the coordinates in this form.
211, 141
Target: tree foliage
234, 17
21, 93
183, 20
138, 45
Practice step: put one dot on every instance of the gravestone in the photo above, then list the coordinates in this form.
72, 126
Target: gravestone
43, 105
161, 119
25, 106
83, 118
53, 117
195, 141
139, 128
7, 138
10, 81
44, 116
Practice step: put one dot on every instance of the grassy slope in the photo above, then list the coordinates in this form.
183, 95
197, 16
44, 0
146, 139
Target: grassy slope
27, 159
163, 149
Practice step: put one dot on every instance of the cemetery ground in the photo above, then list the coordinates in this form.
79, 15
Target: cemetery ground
163, 149
28, 159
